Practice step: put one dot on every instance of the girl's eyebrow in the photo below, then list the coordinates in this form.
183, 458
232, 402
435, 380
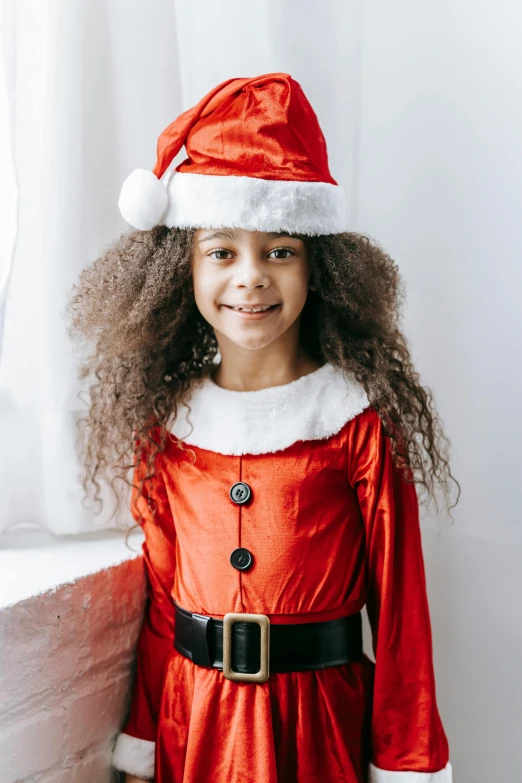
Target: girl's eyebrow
217, 235
277, 234
229, 235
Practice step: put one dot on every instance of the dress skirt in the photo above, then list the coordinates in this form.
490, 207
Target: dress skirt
311, 725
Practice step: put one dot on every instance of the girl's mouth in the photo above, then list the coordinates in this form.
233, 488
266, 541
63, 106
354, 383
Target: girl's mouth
254, 313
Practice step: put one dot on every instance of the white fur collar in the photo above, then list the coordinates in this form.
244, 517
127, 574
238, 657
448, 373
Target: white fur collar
314, 406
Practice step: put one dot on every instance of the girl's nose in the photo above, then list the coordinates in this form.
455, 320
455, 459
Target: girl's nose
251, 273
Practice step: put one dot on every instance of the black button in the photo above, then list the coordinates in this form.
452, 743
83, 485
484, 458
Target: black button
241, 559
240, 493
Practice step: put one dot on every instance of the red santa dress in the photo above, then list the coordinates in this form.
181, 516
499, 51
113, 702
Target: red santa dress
332, 527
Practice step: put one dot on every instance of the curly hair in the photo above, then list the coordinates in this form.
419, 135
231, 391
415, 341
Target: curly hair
135, 308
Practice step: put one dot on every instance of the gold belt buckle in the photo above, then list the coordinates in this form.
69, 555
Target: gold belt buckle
264, 624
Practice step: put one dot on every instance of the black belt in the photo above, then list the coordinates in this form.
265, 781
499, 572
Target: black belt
247, 646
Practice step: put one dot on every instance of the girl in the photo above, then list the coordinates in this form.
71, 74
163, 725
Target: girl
251, 374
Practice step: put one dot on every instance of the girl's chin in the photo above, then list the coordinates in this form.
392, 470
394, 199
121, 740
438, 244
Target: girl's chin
250, 342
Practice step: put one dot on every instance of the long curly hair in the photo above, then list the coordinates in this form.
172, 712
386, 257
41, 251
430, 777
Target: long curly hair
134, 307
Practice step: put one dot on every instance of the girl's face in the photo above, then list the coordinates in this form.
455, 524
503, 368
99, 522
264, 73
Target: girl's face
236, 271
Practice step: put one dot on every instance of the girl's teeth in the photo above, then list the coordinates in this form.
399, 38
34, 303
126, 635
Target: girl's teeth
254, 310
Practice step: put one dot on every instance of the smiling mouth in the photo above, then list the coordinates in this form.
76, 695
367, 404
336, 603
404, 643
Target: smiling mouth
252, 309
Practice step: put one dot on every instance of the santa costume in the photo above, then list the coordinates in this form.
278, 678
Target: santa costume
279, 516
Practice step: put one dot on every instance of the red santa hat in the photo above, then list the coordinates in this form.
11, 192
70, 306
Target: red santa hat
257, 160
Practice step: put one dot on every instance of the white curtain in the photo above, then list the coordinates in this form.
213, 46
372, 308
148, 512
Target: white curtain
86, 89
421, 105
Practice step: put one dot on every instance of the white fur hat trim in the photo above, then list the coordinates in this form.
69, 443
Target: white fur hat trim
213, 201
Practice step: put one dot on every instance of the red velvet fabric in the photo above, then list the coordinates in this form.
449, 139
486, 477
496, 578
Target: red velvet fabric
261, 127
331, 526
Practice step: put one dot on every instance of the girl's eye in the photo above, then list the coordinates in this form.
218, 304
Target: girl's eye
220, 258
282, 250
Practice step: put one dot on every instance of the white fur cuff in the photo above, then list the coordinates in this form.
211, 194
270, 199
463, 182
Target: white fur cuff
135, 756
254, 204
377, 775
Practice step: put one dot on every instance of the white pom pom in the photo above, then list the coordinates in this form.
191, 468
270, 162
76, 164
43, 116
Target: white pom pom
143, 199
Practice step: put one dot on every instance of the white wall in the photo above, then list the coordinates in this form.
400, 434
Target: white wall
440, 176
440, 187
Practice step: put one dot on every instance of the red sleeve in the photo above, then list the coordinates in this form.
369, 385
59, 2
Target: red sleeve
407, 733
135, 746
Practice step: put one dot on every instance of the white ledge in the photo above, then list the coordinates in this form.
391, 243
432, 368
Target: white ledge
70, 612
33, 562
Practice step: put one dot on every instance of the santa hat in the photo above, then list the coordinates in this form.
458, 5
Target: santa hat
257, 160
